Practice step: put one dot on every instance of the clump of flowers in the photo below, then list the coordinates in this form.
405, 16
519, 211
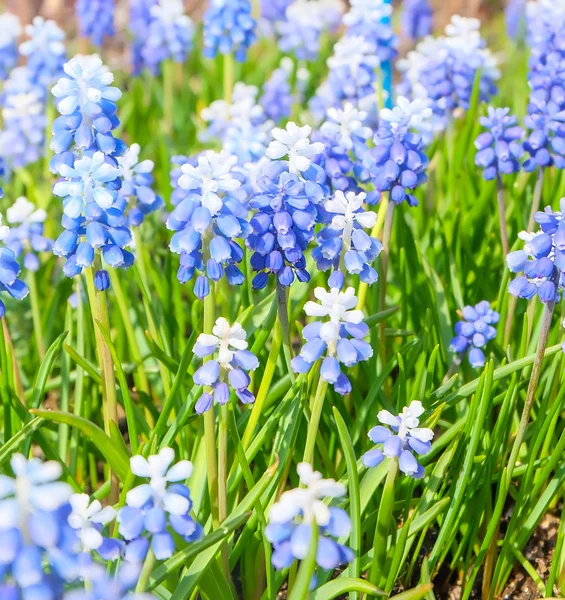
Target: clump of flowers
229, 28
10, 31
277, 97
226, 370
474, 332
85, 159
499, 148
208, 221
416, 18
398, 162
154, 507
45, 51
96, 19
292, 518
400, 440
344, 243
136, 191
9, 272
542, 261
26, 232
286, 204
337, 336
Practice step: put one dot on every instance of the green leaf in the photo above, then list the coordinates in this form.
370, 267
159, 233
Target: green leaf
12, 445
45, 369
342, 585
116, 457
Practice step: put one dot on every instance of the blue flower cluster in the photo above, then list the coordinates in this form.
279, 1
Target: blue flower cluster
542, 260
153, 508
10, 31
344, 242
206, 224
227, 370
96, 19
49, 534
9, 276
136, 192
86, 160
499, 148
292, 518
474, 332
286, 204
545, 142
339, 339
229, 28
406, 439
45, 51
139, 22
416, 18
398, 162
443, 69
277, 94
370, 19
26, 233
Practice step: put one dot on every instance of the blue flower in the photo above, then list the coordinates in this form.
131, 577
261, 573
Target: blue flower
542, 261
277, 95
474, 332
207, 222
96, 19
136, 190
370, 19
397, 162
499, 149
515, 16
152, 508
291, 520
139, 22
416, 18
26, 234
22, 140
229, 28
10, 31
227, 370
9, 273
38, 546
545, 142
406, 439
344, 241
45, 50
338, 339
88, 519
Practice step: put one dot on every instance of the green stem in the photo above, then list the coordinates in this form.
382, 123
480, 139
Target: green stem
282, 311
5, 384
316, 406
382, 527
222, 479
36, 315
148, 565
228, 78
268, 374
537, 197
209, 419
168, 95
385, 254
502, 216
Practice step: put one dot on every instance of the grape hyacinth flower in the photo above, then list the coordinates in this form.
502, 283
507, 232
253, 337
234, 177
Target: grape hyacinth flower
136, 191
339, 338
293, 142
95, 19
88, 520
151, 508
515, 17
277, 94
298, 510
35, 534
416, 19
474, 332
207, 222
229, 28
499, 148
545, 142
90, 177
26, 235
344, 243
370, 19
304, 23
228, 369
45, 50
10, 31
397, 162
22, 140
406, 439
168, 34
139, 22
9, 272
542, 261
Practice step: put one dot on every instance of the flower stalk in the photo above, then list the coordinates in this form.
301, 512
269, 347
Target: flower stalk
385, 255
316, 408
